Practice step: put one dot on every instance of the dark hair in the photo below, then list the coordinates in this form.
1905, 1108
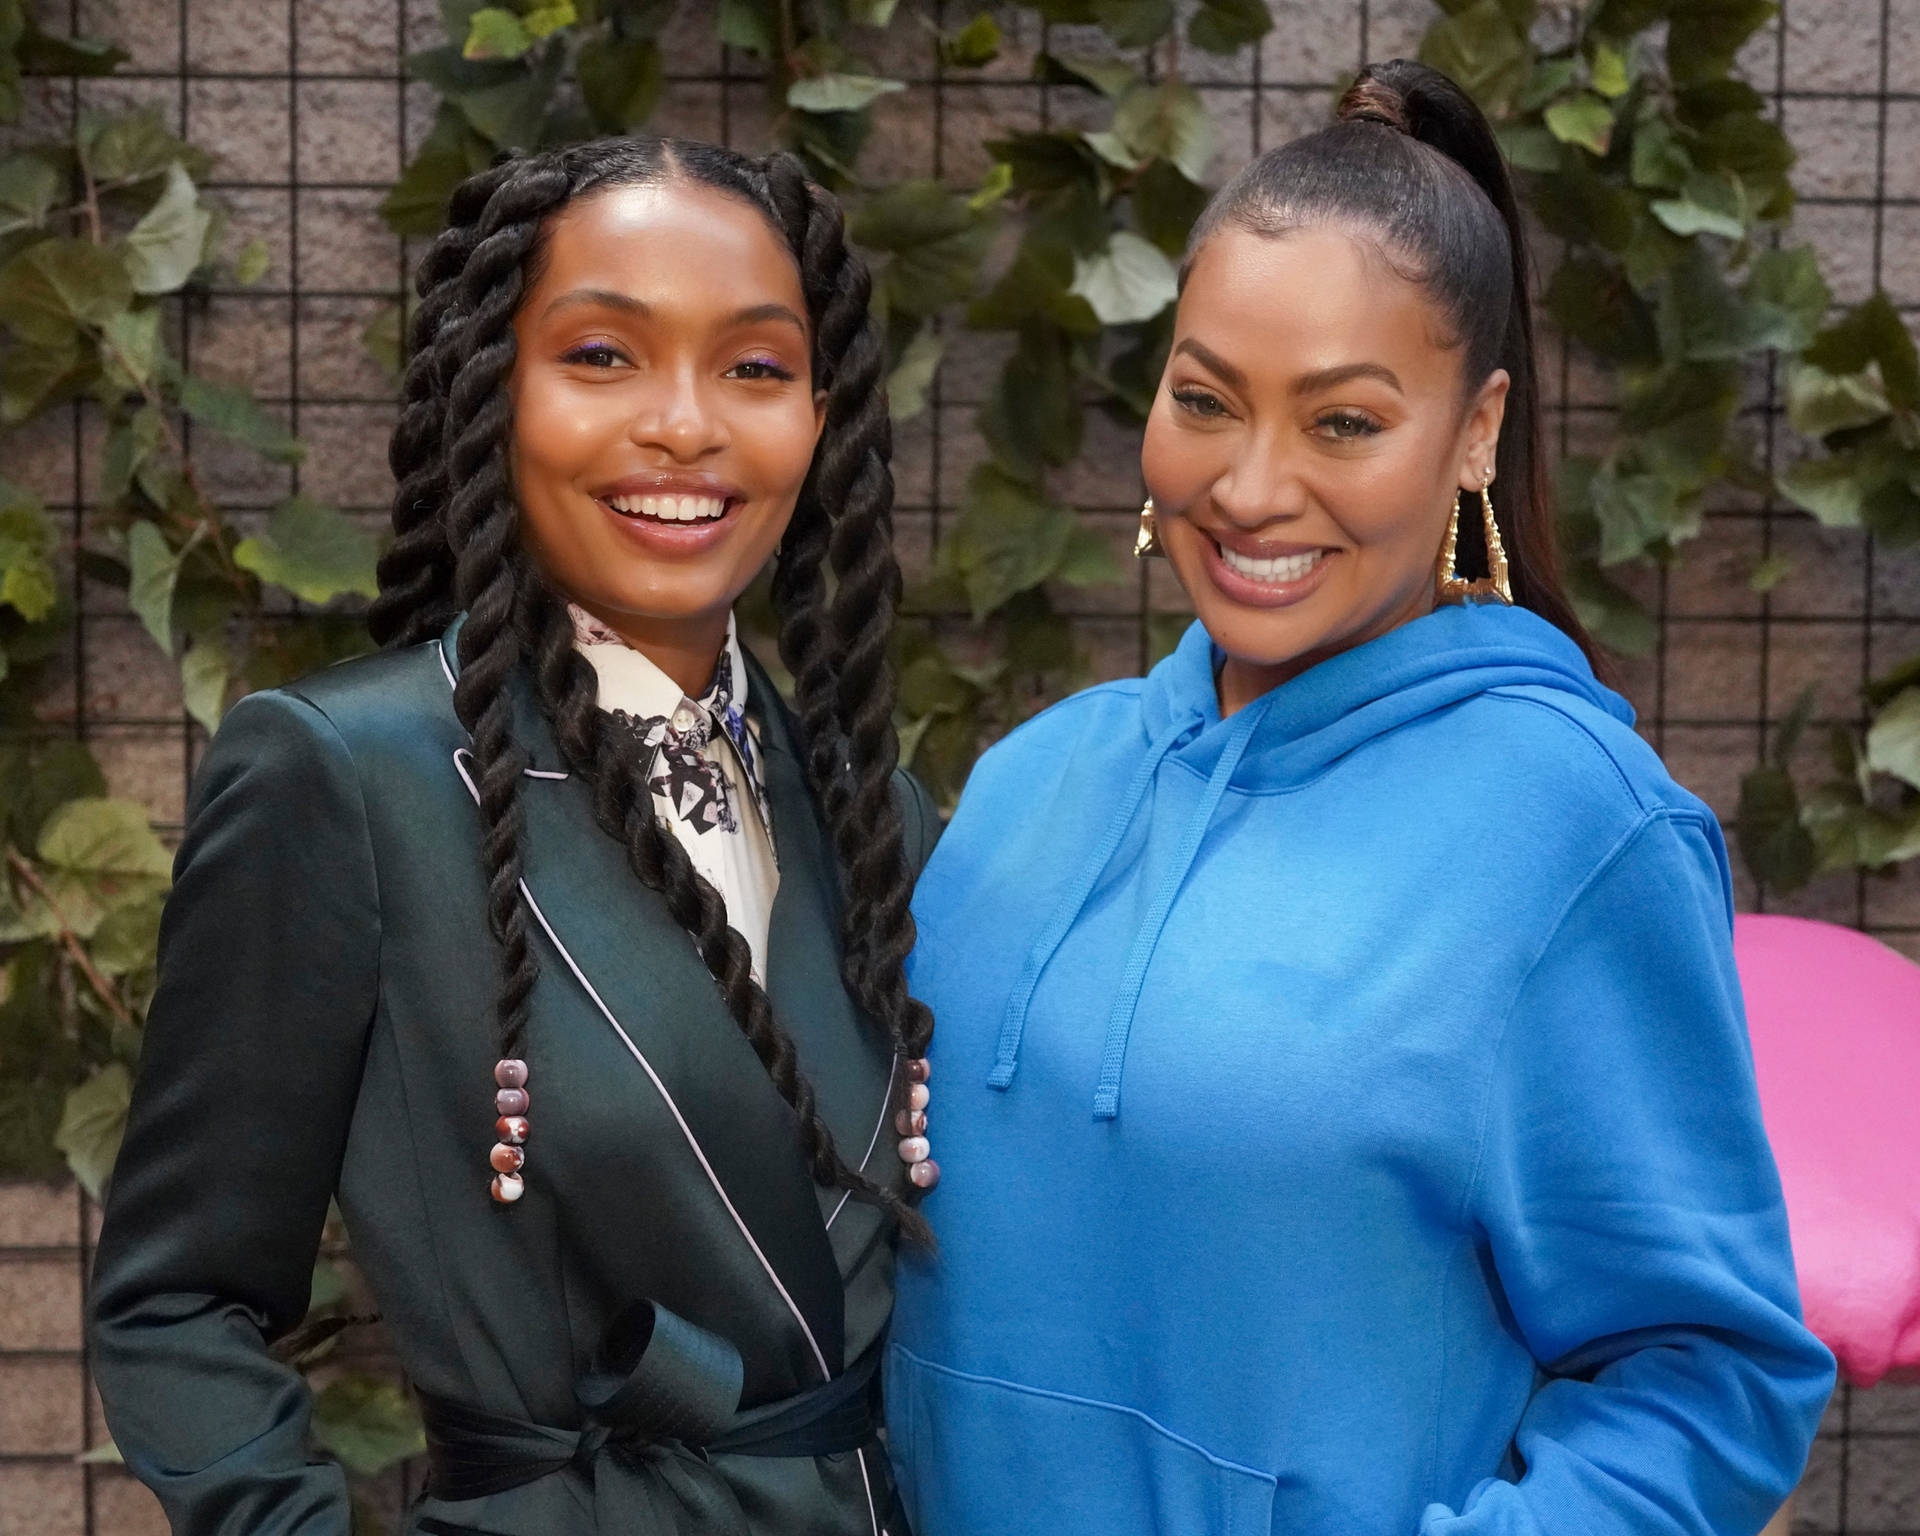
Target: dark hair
1413, 161
456, 547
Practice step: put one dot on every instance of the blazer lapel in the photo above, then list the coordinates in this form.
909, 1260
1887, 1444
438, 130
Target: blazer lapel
615, 939
851, 1074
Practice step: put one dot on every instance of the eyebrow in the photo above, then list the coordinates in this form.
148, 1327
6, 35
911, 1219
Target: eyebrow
1307, 384
626, 303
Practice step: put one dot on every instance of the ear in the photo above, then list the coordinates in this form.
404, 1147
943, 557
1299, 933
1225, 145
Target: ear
1480, 434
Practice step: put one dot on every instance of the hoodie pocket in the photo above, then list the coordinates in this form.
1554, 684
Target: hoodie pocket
981, 1457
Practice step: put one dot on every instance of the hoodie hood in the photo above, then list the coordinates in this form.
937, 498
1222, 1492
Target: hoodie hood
1285, 737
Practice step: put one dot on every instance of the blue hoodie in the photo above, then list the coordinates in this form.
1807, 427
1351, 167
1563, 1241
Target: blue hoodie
1347, 1122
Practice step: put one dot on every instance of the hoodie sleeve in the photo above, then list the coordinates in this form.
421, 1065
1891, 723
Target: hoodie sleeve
1633, 1214
269, 960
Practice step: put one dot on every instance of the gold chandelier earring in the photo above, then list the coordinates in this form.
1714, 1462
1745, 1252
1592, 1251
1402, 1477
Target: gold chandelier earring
1451, 586
1146, 543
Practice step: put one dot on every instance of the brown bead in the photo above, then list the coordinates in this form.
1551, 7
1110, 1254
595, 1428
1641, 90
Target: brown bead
511, 1101
507, 1187
911, 1122
919, 1070
506, 1158
511, 1128
510, 1072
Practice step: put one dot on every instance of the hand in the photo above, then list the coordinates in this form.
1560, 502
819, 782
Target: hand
915, 1150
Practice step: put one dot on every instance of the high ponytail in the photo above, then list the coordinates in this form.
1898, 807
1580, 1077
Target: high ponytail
1414, 162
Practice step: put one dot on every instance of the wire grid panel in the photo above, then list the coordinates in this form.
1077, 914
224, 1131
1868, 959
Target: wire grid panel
311, 116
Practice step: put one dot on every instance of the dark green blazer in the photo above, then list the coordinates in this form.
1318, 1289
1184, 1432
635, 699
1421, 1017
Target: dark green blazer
323, 1026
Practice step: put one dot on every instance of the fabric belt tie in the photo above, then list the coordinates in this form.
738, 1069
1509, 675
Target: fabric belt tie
662, 1390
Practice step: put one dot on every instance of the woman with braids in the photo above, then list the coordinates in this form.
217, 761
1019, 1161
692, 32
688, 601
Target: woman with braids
549, 941
1360, 981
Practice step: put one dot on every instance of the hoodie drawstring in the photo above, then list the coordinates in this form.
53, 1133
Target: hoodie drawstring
1013, 1025
1106, 1093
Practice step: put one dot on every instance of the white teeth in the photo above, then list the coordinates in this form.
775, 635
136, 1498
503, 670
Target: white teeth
670, 509
1275, 572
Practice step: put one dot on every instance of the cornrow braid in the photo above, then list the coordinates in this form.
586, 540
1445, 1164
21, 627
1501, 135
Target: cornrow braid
451, 454
418, 563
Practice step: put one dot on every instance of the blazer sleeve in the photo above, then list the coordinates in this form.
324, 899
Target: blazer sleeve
268, 976
920, 824
1634, 1217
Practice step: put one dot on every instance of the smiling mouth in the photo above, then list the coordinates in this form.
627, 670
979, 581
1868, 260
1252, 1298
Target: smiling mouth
1276, 572
669, 509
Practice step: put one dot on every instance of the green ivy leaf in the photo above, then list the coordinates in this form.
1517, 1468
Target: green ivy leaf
1608, 69
154, 569
92, 1125
28, 188
368, 1423
1165, 205
1658, 162
1820, 403
839, 93
912, 376
748, 24
1585, 120
1033, 418
125, 151
131, 349
165, 247
872, 13
1704, 36
32, 377
1769, 573
56, 285
936, 243
1834, 489
1131, 280
620, 80
231, 410
26, 548
104, 837
1134, 23
1112, 78
494, 33
1170, 121
1708, 205
545, 20
1227, 26
206, 673
1777, 848
1592, 301
313, 551
252, 263
1893, 740
127, 937
1787, 298
1479, 46
1007, 539
974, 45
1872, 334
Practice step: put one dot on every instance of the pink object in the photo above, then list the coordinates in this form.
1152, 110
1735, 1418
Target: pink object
1835, 1019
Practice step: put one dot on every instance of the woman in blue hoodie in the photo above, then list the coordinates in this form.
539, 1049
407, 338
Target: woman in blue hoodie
1347, 1114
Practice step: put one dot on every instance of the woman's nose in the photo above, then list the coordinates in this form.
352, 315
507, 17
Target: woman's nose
677, 417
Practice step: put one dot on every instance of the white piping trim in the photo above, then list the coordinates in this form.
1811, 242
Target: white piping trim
447, 671
660, 1087
826, 1374
846, 1195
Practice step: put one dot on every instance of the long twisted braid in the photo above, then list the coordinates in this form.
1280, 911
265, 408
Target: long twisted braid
418, 563
847, 677
450, 452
